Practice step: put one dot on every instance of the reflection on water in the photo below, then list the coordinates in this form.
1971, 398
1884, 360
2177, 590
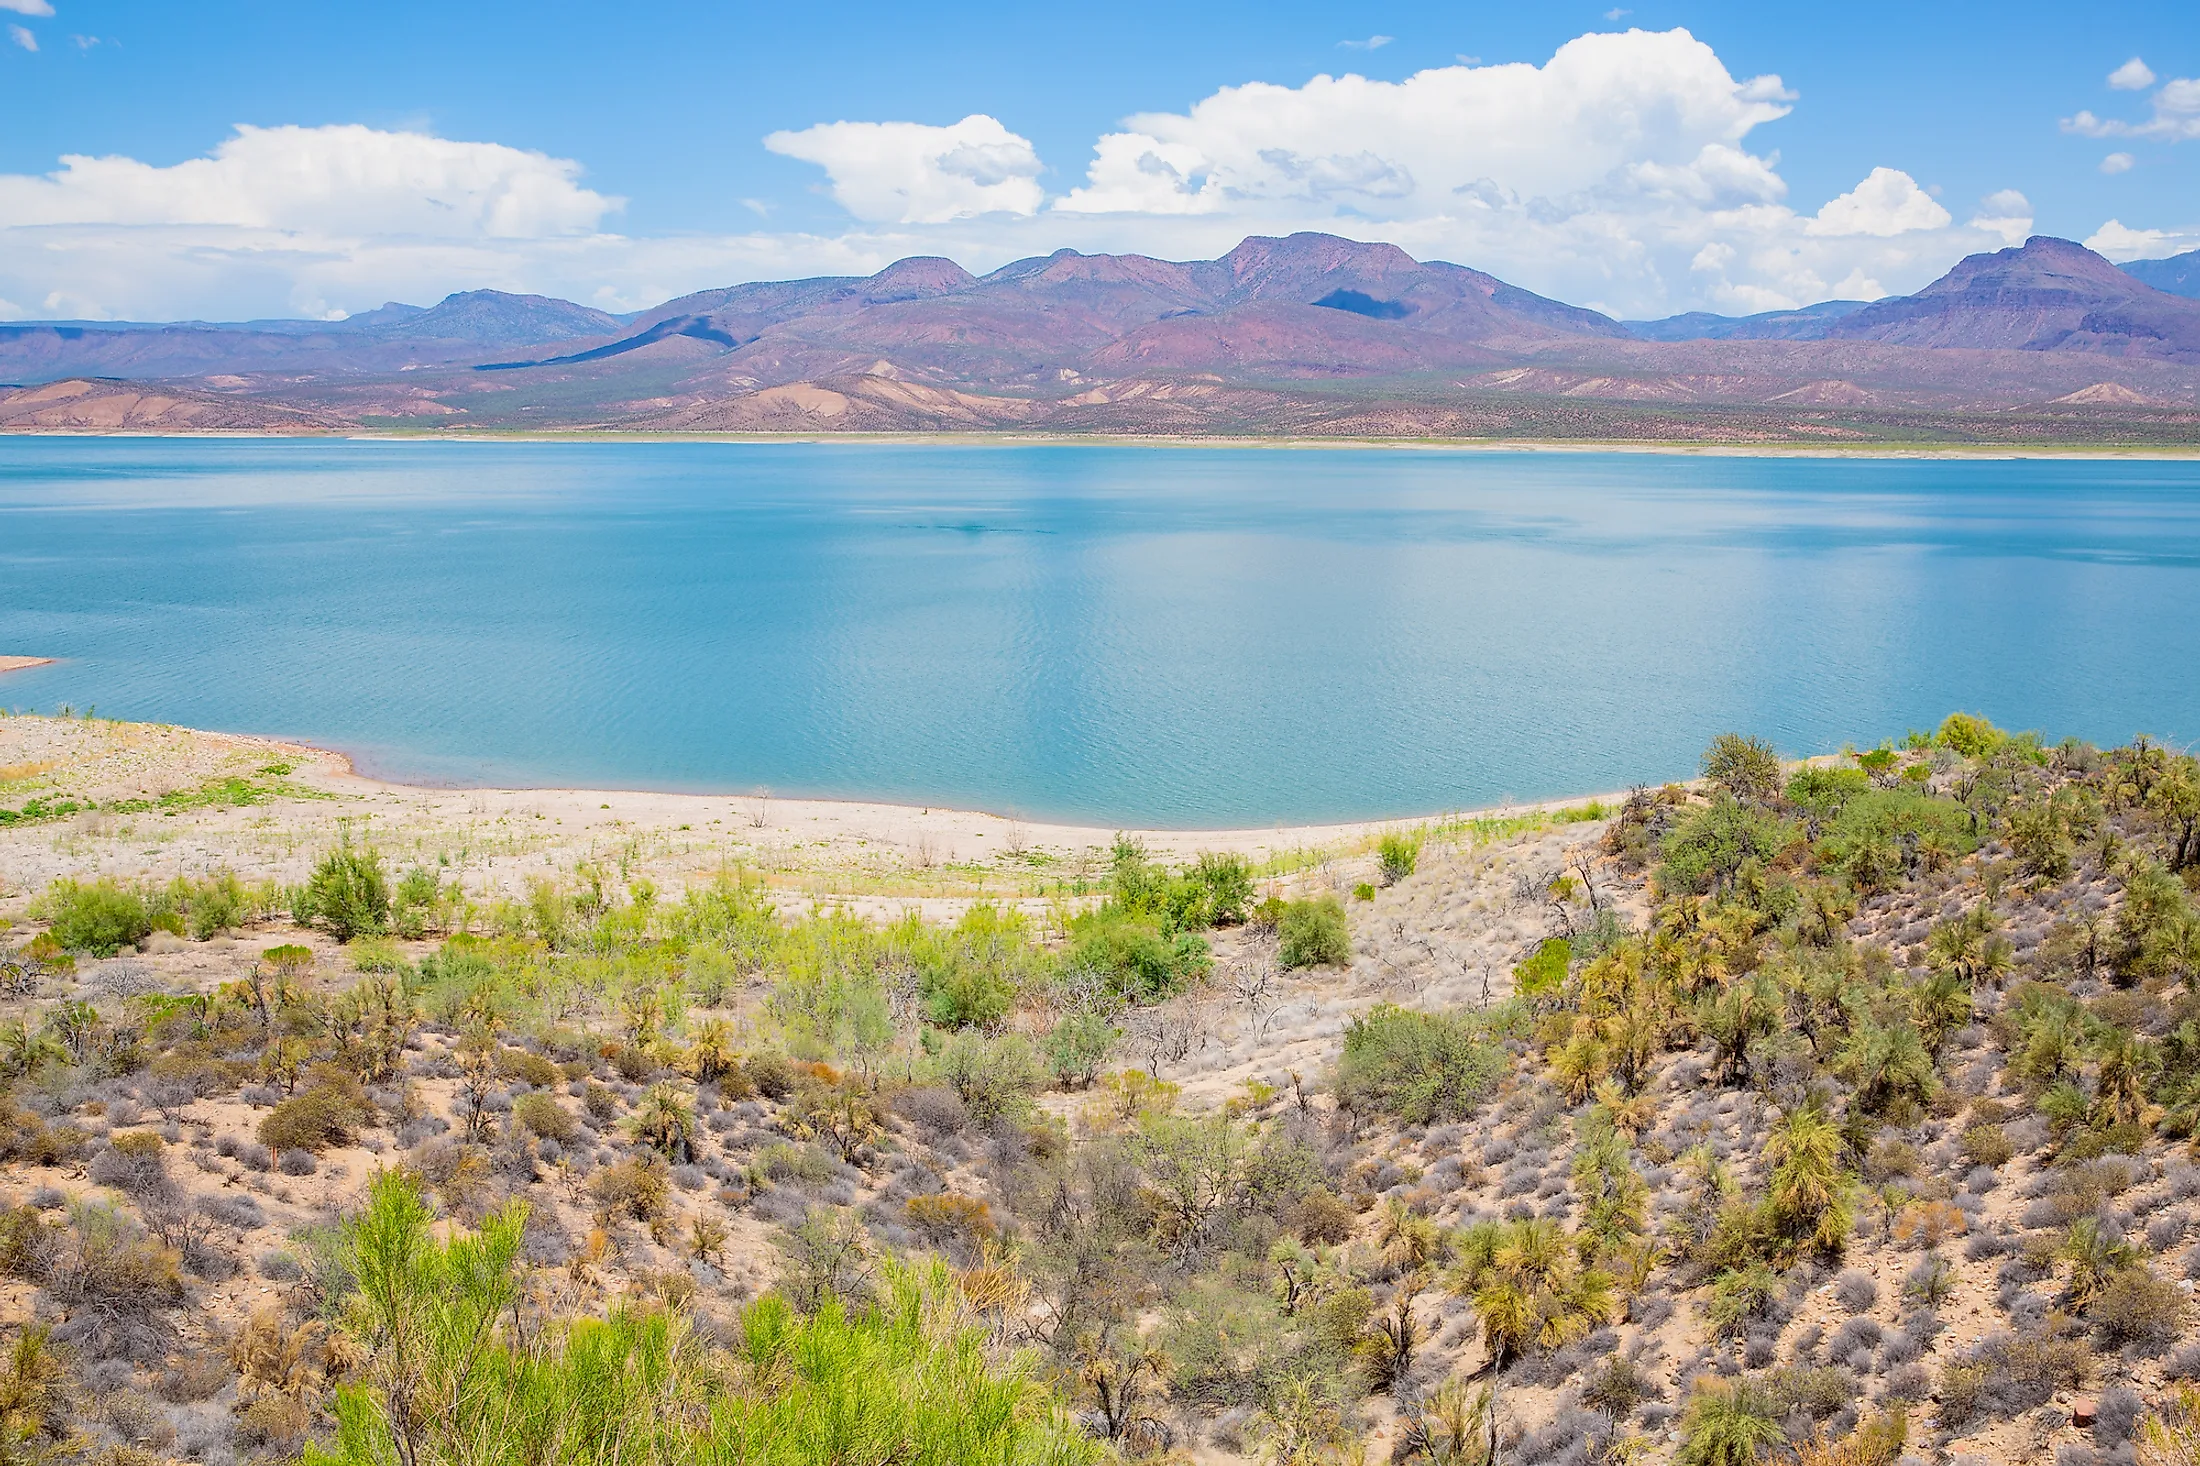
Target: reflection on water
1186, 637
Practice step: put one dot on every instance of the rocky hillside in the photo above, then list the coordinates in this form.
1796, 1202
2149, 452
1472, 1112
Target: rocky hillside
1837, 1113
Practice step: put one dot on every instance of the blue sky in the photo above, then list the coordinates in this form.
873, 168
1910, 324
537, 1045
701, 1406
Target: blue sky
610, 153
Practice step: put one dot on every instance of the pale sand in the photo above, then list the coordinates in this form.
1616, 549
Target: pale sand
878, 857
17, 664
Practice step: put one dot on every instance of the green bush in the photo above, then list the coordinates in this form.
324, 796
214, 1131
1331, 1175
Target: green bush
325, 1113
1421, 1067
1747, 768
1710, 848
1969, 735
1078, 1046
99, 918
545, 1117
1313, 934
1142, 962
995, 1078
348, 895
1398, 855
1543, 974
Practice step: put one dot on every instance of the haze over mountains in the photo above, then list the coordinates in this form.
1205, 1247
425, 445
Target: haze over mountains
1307, 334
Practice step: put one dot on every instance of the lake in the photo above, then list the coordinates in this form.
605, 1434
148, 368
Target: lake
1189, 637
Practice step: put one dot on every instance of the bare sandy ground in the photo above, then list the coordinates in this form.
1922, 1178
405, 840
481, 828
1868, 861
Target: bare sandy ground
17, 664
879, 858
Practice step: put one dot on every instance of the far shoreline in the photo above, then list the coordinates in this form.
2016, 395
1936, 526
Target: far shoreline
1957, 452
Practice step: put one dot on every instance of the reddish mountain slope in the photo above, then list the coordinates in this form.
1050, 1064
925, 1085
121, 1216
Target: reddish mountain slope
2048, 295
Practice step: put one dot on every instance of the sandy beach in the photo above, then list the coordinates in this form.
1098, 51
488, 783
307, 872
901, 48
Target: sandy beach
17, 664
153, 801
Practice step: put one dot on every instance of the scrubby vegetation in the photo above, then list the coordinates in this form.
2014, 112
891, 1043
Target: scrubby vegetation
1830, 1113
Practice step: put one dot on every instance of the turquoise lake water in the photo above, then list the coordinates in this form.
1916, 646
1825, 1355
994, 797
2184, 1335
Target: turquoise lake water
1192, 637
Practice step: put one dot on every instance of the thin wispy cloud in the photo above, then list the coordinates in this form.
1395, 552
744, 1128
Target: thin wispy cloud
22, 37
1372, 43
1617, 14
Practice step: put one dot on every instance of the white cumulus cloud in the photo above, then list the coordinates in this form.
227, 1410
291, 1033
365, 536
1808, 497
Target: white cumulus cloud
909, 173
1885, 204
1638, 110
2133, 76
27, 7
2123, 244
2176, 115
300, 213
1623, 173
2118, 163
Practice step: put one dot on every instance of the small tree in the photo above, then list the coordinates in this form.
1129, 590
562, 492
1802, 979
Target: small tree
1747, 768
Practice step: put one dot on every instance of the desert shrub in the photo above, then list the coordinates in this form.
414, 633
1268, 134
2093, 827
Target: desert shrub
99, 918
326, 1112
1960, 1389
637, 1187
935, 1109
994, 1078
1141, 958
1078, 1046
1747, 768
1708, 849
348, 895
234, 1209
1969, 735
1397, 855
297, 1162
2116, 1416
2023, 1372
1322, 1218
193, 1376
1421, 1067
116, 1283
602, 1102
1856, 1291
278, 1266
530, 1068
1313, 934
545, 1117
1728, 1423
133, 1163
1820, 1391
772, 1075
1543, 973
1987, 1145
947, 1219
2140, 1310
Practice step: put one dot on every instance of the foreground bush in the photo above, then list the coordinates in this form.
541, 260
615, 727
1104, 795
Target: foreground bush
100, 918
1417, 1066
348, 894
1313, 934
909, 1380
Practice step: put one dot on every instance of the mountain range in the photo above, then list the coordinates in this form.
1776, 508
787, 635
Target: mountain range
1310, 334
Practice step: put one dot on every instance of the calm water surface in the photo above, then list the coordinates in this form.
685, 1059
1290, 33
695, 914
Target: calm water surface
1181, 637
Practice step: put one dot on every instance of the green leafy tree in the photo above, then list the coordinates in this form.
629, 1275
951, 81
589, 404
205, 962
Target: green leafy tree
1747, 768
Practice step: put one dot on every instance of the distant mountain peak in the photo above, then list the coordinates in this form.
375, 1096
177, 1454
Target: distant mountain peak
914, 278
2177, 275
